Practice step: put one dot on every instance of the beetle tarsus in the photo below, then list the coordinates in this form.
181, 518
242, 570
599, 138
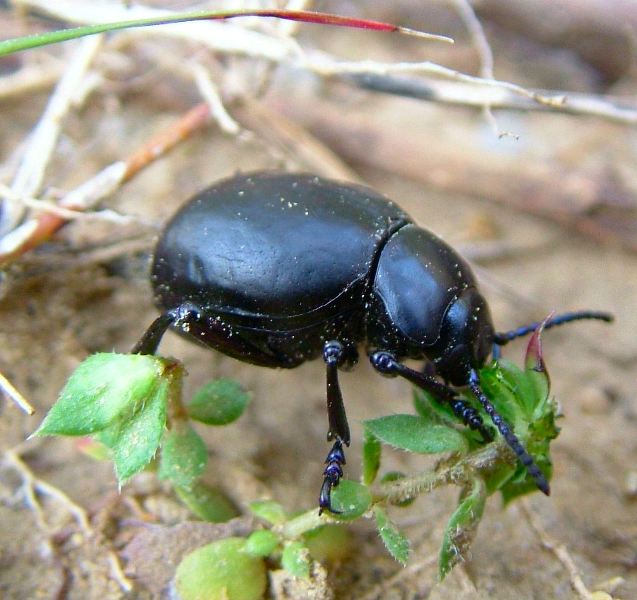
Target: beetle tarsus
331, 476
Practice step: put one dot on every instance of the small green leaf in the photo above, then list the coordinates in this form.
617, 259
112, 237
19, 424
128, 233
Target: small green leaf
395, 542
462, 526
222, 570
206, 502
218, 403
296, 559
183, 455
137, 438
104, 387
371, 457
262, 543
415, 434
329, 542
269, 511
435, 411
350, 500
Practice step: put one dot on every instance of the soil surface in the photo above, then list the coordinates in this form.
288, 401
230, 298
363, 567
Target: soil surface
86, 291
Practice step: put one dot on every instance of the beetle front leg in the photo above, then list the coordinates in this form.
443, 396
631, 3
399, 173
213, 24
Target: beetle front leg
334, 355
386, 363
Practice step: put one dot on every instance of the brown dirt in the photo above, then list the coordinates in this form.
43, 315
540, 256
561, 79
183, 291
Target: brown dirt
69, 299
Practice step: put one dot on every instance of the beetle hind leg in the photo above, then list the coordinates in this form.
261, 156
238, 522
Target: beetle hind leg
335, 354
149, 342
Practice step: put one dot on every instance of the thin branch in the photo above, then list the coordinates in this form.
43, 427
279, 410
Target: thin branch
484, 52
212, 97
7, 387
43, 139
37, 230
619, 110
32, 484
558, 550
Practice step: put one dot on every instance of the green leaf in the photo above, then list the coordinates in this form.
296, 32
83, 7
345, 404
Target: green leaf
371, 457
329, 543
395, 542
262, 543
415, 434
104, 387
183, 455
207, 503
218, 403
350, 500
435, 411
137, 438
269, 511
462, 526
296, 559
222, 570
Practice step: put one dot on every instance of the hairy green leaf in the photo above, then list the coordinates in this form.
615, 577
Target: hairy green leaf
371, 457
395, 542
350, 499
102, 389
462, 526
415, 434
183, 455
218, 403
207, 503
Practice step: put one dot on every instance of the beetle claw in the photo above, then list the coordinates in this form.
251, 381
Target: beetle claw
331, 477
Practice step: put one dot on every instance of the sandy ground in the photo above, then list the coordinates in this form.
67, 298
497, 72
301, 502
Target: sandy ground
87, 291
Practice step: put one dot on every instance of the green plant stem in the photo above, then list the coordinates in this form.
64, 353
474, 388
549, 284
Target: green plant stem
456, 473
303, 523
460, 472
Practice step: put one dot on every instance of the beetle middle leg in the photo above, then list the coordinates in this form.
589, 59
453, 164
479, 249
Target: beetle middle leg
335, 355
386, 363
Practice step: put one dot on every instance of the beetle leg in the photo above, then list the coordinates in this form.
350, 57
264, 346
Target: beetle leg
334, 355
507, 433
386, 363
148, 343
505, 337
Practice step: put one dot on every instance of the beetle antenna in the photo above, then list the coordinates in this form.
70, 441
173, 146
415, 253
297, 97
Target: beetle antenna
507, 433
505, 337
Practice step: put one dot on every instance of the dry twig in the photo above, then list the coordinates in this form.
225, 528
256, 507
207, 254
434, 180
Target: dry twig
8, 388
43, 139
558, 550
35, 231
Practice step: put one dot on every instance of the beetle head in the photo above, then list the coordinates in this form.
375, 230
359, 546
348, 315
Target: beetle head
466, 337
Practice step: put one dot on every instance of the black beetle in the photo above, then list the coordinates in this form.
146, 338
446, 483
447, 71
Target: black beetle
275, 269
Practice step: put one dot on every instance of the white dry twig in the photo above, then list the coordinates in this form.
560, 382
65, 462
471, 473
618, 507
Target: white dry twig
67, 213
32, 485
485, 55
43, 139
233, 38
9, 389
81, 198
211, 95
558, 550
